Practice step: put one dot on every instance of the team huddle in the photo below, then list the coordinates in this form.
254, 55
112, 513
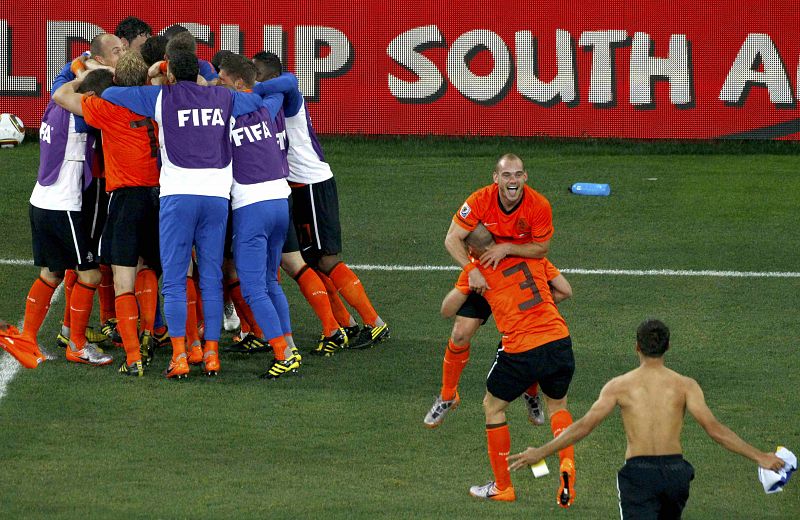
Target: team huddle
157, 164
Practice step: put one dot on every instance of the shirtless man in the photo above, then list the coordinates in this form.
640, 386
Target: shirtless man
654, 482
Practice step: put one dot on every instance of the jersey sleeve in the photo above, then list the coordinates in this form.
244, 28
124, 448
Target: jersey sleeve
207, 70
550, 270
462, 284
64, 76
542, 221
96, 111
468, 217
141, 100
273, 103
245, 102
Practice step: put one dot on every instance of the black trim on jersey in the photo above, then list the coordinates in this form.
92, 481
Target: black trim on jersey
516, 206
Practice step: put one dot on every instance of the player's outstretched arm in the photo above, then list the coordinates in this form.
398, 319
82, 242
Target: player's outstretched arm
575, 432
67, 98
141, 100
283, 84
722, 435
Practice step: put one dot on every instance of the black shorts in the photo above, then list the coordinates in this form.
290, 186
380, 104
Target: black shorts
654, 487
551, 365
94, 210
132, 228
59, 241
476, 306
291, 245
316, 220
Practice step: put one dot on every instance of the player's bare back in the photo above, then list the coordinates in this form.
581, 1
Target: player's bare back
653, 405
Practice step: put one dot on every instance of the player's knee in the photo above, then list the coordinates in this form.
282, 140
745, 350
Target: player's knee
328, 262
554, 405
292, 263
51, 277
493, 408
90, 277
462, 332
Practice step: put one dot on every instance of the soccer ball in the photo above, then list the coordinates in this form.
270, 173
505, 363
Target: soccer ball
12, 131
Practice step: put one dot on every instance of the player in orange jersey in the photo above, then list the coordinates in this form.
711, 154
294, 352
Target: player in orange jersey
535, 347
653, 400
521, 221
130, 237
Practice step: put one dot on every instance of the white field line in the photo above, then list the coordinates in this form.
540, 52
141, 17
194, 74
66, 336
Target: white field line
606, 272
10, 366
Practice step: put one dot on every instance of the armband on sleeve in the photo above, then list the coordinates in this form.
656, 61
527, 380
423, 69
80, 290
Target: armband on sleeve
469, 267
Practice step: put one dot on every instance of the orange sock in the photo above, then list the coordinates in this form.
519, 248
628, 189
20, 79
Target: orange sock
559, 422
70, 277
499, 442
192, 336
340, 312
127, 312
105, 293
353, 292
210, 346
533, 390
147, 297
36, 307
178, 347
242, 309
314, 291
455, 359
279, 346
80, 306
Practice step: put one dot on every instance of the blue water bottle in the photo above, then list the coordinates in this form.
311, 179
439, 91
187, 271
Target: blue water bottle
591, 188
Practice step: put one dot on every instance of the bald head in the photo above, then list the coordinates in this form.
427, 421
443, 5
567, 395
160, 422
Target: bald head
507, 161
479, 240
106, 49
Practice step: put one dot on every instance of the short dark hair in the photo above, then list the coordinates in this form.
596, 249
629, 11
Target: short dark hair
172, 30
216, 61
271, 61
240, 67
131, 27
184, 66
154, 49
183, 41
652, 337
479, 239
96, 81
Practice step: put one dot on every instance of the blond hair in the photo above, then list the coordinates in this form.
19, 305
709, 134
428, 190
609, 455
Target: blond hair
131, 70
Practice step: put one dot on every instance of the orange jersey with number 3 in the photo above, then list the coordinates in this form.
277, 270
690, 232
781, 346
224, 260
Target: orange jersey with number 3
521, 302
531, 220
130, 143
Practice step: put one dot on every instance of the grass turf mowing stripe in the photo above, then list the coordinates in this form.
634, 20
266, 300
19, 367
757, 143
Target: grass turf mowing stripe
618, 272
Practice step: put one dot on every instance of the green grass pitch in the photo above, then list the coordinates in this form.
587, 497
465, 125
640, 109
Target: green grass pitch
344, 439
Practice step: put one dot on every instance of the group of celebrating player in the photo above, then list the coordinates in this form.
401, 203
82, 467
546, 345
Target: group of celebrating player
155, 163
158, 164
500, 237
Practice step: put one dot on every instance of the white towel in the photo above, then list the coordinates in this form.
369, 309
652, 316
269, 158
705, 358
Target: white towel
773, 481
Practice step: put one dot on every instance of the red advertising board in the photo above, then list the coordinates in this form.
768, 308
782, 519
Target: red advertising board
611, 68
